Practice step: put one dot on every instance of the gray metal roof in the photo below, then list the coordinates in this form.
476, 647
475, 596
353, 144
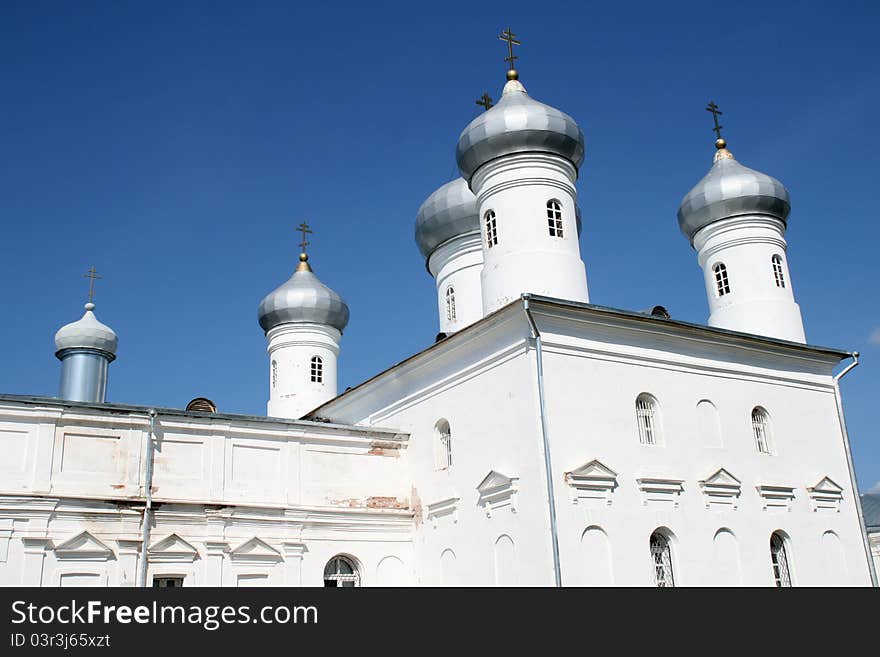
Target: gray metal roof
728, 190
303, 298
448, 212
871, 511
86, 333
518, 124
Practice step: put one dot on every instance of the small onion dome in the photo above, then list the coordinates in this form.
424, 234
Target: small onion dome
728, 190
303, 298
86, 333
518, 124
448, 212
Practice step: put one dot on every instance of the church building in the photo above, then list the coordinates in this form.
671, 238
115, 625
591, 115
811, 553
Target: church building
541, 440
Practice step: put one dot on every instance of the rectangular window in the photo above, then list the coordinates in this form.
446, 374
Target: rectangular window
167, 582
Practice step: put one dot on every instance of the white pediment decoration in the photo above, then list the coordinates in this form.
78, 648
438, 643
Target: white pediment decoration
83, 547
497, 491
776, 497
255, 551
447, 508
721, 490
660, 491
593, 482
826, 495
172, 548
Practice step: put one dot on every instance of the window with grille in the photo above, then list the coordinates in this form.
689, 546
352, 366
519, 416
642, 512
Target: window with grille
661, 556
554, 217
450, 303
648, 420
167, 582
778, 274
491, 229
761, 429
779, 559
444, 445
317, 370
341, 571
722, 284
274, 374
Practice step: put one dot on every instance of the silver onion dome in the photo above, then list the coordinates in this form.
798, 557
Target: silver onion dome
728, 190
518, 124
448, 212
303, 298
87, 333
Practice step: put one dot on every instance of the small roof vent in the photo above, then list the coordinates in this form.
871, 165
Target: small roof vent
202, 404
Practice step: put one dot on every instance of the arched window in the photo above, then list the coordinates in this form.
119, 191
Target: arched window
274, 374
341, 571
661, 555
648, 419
779, 559
554, 217
443, 445
722, 284
761, 429
778, 274
450, 304
491, 230
317, 369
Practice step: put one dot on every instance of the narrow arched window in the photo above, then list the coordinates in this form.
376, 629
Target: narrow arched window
450, 304
761, 429
648, 419
274, 374
661, 556
722, 284
341, 571
444, 445
491, 229
554, 217
317, 369
779, 559
778, 273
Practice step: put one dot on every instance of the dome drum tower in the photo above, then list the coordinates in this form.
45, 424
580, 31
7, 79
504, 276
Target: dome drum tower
85, 348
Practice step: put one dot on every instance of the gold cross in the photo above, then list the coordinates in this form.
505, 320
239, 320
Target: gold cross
509, 37
485, 101
304, 229
712, 107
92, 274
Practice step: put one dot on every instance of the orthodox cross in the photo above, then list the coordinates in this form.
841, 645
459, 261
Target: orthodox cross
712, 107
509, 37
304, 229
485, 101
91, 274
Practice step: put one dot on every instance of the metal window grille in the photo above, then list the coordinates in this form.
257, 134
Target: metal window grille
554, 218
778, 274
450, 304
167, 582
661, 555
317, 370
646, 411
491, 229
779, 558
722, 284
446, 447
274, 374
341, 572
761, 428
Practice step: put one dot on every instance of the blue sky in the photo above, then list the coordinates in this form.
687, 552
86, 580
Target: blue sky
176, 146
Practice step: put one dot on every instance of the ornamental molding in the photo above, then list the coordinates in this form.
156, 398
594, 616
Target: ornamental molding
447, 508
826, 495
255, 551
776, 497
591, 482
497, 491
83, 547
172, 548
721, 489
660, 491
